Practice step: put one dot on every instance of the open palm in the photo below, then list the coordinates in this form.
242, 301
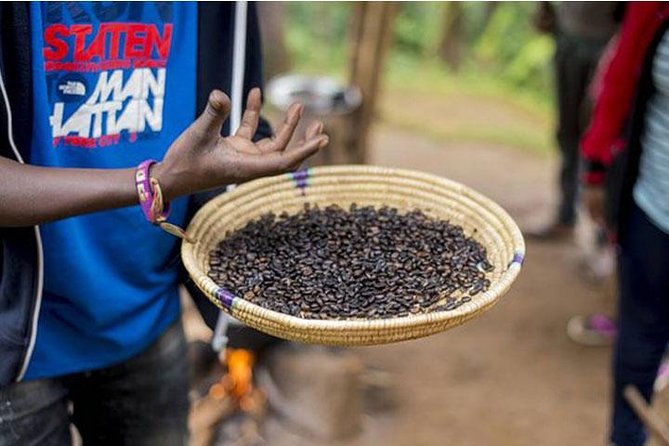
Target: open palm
202, 159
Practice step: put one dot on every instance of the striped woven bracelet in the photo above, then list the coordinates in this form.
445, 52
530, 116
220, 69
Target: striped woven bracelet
155, 209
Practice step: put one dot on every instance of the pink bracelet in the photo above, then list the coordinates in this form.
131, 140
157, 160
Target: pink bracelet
147, 194
151, 201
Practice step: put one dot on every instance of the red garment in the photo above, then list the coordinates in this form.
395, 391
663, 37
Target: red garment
613, 105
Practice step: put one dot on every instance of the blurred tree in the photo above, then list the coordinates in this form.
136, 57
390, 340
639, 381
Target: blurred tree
450, 48
488, 12
511, 47
371, 33
416, 28
275, 55
500, 50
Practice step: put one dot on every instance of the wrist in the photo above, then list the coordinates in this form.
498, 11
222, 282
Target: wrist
167, 179
151, 200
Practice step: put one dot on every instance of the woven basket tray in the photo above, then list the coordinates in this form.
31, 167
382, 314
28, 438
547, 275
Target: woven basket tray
365, 185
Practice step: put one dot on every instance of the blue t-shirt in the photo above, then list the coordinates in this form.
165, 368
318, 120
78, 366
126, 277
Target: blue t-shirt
114, 84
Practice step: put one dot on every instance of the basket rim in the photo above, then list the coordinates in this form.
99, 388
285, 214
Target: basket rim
468, 310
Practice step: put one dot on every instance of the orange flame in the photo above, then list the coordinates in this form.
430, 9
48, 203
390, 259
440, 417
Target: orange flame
238, 382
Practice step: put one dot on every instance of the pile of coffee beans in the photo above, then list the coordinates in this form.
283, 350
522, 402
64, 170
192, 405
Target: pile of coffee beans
362, 263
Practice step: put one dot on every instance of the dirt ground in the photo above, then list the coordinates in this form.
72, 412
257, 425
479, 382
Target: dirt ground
510, 377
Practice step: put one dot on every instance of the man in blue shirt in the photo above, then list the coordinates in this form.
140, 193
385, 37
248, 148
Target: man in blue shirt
110, 86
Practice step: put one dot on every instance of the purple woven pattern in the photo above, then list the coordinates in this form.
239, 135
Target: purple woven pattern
225, 297
518, 258
143, 185
146, 194
301, 178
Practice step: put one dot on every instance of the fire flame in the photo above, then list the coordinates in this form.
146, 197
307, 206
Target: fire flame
238, 382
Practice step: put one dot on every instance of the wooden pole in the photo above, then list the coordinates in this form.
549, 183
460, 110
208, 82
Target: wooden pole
371, 35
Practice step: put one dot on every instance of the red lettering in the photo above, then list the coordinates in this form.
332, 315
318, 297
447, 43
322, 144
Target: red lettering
80, 32
135, 41
108, 140
142, 43
161, 44
115, 31
141, 63
58, 47
80, 141
113, 65
96, 48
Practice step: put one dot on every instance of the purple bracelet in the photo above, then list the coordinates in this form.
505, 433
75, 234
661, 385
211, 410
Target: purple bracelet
146, 193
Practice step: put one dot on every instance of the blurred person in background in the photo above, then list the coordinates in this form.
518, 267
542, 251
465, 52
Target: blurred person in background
581, 31
626, 149
92, 94
598, 329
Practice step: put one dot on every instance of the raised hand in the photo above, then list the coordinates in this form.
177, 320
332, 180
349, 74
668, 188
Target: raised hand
202, 159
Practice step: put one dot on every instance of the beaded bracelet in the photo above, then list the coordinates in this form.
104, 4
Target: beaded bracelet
151, 200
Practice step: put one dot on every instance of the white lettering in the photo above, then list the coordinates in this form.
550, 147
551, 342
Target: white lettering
115, 106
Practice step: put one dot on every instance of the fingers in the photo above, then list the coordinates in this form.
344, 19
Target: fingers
249, 123
294, 157
284, 161
314, 130
285, 134
269, 145
215, 113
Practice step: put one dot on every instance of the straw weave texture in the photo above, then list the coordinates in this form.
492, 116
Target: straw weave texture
405, 190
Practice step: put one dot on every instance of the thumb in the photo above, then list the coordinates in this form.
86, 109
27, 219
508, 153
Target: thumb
215, 113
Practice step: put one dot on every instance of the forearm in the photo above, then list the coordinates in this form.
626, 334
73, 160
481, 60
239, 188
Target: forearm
198, 160
31, 195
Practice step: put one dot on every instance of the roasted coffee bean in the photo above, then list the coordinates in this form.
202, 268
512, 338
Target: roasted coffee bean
362, 263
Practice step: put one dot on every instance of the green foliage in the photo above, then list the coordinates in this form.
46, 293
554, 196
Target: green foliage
506, 34
417, 28
316, 35
512, 48
504, 58
531, 66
